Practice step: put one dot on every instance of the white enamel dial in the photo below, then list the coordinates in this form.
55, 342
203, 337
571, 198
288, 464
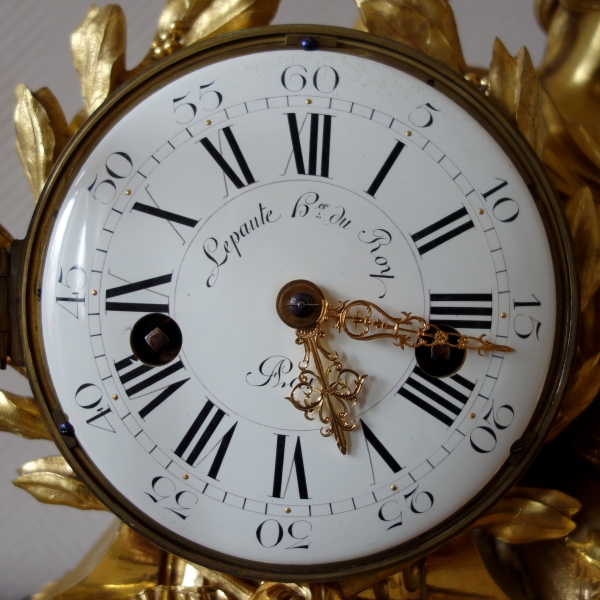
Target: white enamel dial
200, 203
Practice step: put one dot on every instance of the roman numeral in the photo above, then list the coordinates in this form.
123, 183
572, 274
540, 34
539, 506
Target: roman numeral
225, 166
205, 436
385, 169
159, 213
463, 223
297, 462
451, 309
156, 375
164, 214
170, 217
437, 397
129, 288
376, 444
313, 144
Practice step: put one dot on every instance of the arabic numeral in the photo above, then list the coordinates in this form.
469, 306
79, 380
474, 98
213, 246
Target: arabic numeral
419, 503
504, 209
164, 488
270, 533
74, 280
422, 116
325, 79
118, 165
90, 397
483, 438
390, 511
185, 109
525, 325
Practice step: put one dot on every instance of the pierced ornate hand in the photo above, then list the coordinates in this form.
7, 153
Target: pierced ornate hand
327, 391
325, 388
407, 330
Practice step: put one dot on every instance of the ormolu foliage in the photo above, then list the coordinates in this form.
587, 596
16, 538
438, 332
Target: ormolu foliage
529, 515
42, 134
426, 25
52, 481
20, 415
514, 87
98, 49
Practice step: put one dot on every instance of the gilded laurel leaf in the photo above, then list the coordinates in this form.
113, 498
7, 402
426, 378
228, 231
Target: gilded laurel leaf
514, 87
426, 25
559, 501
42, 134
584, 221
530, 515
224, 16
572, 154
52, 481
98, 48
179, 11
20, 415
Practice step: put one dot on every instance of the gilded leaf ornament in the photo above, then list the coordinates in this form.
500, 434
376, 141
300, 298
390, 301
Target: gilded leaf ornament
583, 215
426, 25
42, 133
183, 22
224, 16
52, 481
584, 220
514, 87
20, 415
530, 514
98, 48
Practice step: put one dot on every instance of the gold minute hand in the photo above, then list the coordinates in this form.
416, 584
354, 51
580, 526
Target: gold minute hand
362, 320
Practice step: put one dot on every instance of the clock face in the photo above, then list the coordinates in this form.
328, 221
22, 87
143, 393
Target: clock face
203, 196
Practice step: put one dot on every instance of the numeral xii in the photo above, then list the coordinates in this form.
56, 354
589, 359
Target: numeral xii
313, 144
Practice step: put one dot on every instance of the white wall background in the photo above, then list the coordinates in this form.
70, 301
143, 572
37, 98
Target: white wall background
40, 542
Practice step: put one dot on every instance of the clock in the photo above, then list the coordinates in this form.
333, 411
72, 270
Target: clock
192, 200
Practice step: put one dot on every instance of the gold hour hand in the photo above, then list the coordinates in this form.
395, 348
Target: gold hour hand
325, 389
362, 320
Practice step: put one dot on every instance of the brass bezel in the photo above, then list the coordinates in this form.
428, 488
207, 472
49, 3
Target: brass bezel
335, 40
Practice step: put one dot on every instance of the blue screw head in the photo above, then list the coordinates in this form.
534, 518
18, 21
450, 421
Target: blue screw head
67, 429
309, 43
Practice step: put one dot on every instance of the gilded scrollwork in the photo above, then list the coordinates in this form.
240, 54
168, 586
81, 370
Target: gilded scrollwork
325, 389
407, 331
